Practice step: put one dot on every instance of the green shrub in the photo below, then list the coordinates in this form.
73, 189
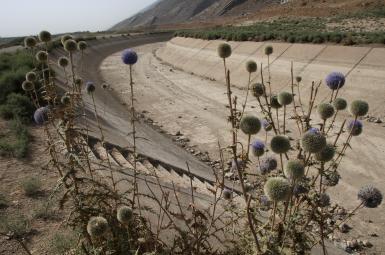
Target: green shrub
16, 142
17, 106
10, 82
44, 212
16, 224
62, 242
31, 186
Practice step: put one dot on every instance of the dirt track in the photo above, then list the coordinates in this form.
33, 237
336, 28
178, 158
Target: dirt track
179, 101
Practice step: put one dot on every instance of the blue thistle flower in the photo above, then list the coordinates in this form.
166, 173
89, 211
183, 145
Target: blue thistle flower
90, 87
129, 57
355, 127
268, 164
335, 80
314, 130
41, 115
258, 148
264, 201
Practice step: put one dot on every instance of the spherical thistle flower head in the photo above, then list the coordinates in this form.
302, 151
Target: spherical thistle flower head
224, 50
285, 98
277, 189
335, 80
64, 38
355, 127
29, 42
274, 103
41, 115
78, 82
359, 108
31, 76
45, 36
324, 200
90, 87
313, 142
97, 227
250, 125
129, 57
251, 66
27, 86
42, 56
298, 79
264, 201
269, 50
326, 154
332, 179
82, 45
314, 130
227, 194
266, 125
241, 164
280, 144
70, 45
340, 104
299, 189
370, 196
258, 89
105, 86
258, 148
65, 100
325, 111
63, 62
124, 214
294, 170
268, 164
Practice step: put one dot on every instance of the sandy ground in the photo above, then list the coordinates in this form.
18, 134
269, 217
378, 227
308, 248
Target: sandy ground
178, 101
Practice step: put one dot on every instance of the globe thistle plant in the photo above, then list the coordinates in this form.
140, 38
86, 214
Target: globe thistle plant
42, 56
45, 36
285, 98
70, 45
78, 82
325, 111
294, 170
90, 87
224, 50
31, 76
258, 89
64, 38
370, 196
97, 227
298, 79
241, 165
27, 86
268, 164
250, 125
355, 127
359, 108
227, 194
124, 214
129, 57
326, 154
335, 80
268, 50
251, 66
29, 42
299, 189
324, 200
41, 115
340, 104
65, 100
313, 142
280, 144
266, 125
82, 45
274, 103
258, 148
332, 178
63, 62
277, 189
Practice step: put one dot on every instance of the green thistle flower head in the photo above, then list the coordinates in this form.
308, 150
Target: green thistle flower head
274, 103
70, 45
313, 142
285, 98
269, 50
224, 50
326, 154
124, 214
325, 111
277, 189
280, 144
294, 170
31, 76
251, 66
64, 38
359, 108
65, 100
258, 89
63, 62
45, 36
27, 86
82, 45
42, 56
29, 42
298, 79
340, 104
97, 227
79, 82
250, 125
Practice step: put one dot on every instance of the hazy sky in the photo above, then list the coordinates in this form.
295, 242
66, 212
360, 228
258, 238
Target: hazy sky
27, 17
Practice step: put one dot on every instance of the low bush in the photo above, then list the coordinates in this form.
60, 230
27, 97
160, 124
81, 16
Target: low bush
63, 242
44, 212
16, 141
17, 225
17, 106
31, 186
